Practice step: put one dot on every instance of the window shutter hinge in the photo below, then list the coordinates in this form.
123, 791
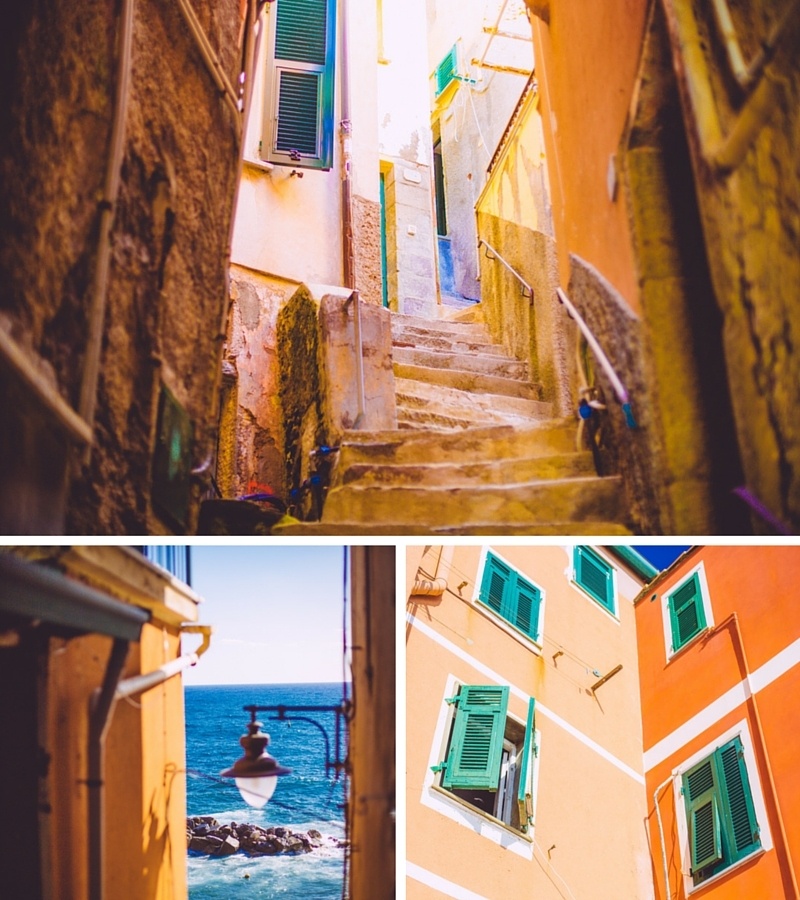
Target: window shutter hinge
453, 700
439, 767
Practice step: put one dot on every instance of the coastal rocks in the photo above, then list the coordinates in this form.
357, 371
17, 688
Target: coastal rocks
205, 835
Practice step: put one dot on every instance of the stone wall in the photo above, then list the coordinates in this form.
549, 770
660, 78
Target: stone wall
167, 286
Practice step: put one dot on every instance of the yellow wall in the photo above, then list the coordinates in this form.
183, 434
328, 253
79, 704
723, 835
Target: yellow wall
590, 797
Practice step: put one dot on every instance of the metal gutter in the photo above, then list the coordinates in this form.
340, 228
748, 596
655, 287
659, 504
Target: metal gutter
44, 595
665, 573
636, 561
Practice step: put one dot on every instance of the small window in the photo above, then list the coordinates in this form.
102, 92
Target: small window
446, 72
595, 576
686, 605
720, 813
487, 763
511, 596
298, 119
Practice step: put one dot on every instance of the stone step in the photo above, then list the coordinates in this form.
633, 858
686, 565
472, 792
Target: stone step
423, 341
548, 438
321, 529
418, 394
477, 382
499, 472
439, 326
499, 366
588, 499
408, 418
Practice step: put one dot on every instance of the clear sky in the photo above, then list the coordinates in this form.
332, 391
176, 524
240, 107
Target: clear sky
276, 613
661, 556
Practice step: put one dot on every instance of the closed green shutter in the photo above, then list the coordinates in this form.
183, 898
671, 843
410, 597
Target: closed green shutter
476, 744
686, 613
525, 791
720, 811
511, 596
595, 576
299, 120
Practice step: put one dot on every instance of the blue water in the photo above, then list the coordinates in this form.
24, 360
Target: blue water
305, 799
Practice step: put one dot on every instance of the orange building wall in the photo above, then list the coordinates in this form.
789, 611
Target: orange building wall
586, 65
760, 584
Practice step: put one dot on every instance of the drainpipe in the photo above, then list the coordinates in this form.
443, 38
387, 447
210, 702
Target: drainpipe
667, 893
99, 720
97, 307
139, 683
732, 621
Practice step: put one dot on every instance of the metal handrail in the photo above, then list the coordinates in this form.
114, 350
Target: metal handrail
605, 363
527, 290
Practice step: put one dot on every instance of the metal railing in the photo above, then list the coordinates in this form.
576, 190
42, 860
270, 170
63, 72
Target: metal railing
605, 363
491, 253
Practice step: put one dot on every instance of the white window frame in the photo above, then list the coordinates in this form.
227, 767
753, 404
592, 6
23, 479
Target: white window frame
742, 731
487, 611
573, 579
700, 571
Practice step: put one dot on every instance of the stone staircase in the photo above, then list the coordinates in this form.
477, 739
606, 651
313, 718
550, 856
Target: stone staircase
476, 450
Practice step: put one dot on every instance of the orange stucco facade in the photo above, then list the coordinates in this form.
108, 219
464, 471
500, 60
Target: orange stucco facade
587, 76
737, 677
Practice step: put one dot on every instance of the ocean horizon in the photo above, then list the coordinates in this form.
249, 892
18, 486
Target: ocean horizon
306, 799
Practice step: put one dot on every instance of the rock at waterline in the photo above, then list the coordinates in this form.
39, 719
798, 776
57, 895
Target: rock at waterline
205, 836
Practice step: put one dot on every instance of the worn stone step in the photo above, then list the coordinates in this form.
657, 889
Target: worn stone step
505, 471
497, 366
321, 529
571, 499
411, 393
463, 380
425, 418
490, 442
439, 326
445, 343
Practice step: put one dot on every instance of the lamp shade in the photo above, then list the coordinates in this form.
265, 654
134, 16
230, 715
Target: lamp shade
256, 773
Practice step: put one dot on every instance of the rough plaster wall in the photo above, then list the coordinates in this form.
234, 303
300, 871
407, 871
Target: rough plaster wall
536, 333
752, 229
252, 350
367, 241
168, 268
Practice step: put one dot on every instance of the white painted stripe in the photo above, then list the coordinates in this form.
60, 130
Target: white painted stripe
518, 692
448, 888
722, 706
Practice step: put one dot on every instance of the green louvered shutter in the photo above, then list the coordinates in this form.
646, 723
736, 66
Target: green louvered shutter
446, 71
701, 794
476, 744
526, 612
299, 121
686, 613
496, 578
740, 818
595, 576
525, 791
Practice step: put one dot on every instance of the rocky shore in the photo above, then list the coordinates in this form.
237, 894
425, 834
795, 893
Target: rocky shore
205, 836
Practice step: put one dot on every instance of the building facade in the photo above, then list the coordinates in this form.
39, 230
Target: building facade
523, 724
719, 646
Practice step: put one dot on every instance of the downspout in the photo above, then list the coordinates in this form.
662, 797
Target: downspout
97, 308
667, 894
348, 244
139, 683
733, 620
102, 708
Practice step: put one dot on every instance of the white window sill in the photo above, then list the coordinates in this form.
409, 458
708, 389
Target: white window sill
584, 593
696, 888
680, 651
480, 814
505, 625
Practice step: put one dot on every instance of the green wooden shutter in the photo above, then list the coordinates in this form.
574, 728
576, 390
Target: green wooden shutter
525, 790
687, 616
740, 818
511, 596
701, 793
476, 744
595, 576
447, 70
299, 121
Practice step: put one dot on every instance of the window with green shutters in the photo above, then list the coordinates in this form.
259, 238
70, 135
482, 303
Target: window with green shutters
298, 120
511, 596
720, 813
687, 616
446, 71
488, 761
596, 576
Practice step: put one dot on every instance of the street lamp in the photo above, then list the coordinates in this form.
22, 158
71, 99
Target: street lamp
256, 773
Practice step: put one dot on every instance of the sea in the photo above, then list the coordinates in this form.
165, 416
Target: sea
302, 800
